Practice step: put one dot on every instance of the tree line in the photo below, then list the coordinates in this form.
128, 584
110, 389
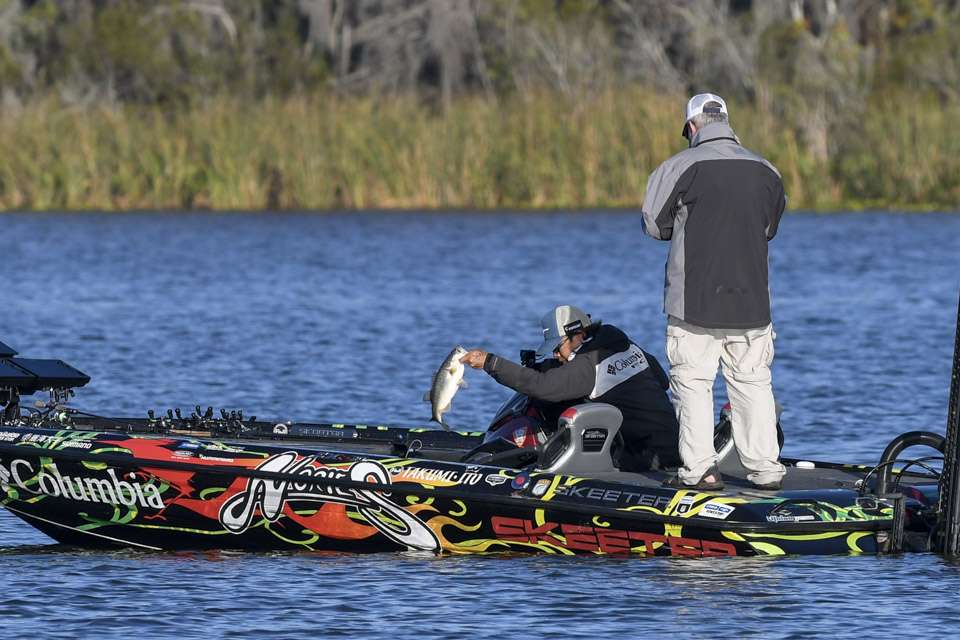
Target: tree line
184, 50
831, 85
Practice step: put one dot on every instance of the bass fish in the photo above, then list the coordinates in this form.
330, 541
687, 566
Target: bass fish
446, 382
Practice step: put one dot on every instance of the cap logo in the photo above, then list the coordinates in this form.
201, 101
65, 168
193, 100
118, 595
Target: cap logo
572, 327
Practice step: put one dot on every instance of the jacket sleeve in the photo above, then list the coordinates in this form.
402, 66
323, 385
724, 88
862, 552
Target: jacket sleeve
664, 189
568, 382
777, 205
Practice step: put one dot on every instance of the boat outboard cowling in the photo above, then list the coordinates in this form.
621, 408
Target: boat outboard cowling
584, 440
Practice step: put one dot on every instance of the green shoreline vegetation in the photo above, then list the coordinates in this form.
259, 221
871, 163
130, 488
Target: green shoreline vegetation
466, 104
541, 151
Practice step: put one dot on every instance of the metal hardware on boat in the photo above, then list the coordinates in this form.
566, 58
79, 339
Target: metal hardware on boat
898, 503
897, 445
888, 464
918, 462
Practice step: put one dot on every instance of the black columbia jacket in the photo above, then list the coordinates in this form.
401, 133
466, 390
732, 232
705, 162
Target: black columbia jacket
608, 368
718, 204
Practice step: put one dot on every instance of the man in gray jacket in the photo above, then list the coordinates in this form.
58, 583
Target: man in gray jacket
718, 204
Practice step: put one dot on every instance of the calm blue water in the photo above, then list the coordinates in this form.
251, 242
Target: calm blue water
344, 318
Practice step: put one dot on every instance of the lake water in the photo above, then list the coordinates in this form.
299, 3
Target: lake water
345, 317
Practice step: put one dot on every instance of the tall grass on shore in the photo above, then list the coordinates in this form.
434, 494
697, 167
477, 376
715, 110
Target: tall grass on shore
326, 152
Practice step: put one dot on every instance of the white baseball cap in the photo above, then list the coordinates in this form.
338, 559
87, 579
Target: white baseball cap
560, 322
698, 104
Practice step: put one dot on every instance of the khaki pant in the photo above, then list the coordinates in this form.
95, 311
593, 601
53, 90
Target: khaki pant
745, 356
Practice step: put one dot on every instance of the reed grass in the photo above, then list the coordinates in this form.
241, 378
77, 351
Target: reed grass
525, 151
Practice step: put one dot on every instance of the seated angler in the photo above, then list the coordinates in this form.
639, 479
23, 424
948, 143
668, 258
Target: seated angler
595, 362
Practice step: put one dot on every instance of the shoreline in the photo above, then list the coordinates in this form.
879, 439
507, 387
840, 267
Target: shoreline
321, 152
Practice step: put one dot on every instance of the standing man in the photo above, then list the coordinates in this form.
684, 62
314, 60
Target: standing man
718, 204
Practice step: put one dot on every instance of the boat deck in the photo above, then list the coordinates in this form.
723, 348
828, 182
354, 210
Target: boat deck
819, 478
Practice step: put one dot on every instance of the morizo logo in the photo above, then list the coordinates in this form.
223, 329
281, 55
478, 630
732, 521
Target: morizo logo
270, 496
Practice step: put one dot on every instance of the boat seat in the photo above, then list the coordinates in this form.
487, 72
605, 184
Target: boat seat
582, 445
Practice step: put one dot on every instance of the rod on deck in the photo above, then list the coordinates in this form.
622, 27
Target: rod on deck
948, 511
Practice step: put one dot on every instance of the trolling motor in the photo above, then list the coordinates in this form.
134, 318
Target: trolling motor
27, 376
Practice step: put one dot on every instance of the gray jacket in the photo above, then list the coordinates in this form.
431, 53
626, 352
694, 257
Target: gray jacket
718, 204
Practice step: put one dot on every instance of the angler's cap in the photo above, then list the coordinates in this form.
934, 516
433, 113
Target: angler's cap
697, 105
559, 322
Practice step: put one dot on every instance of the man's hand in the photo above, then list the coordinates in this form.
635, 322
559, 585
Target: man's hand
475, 358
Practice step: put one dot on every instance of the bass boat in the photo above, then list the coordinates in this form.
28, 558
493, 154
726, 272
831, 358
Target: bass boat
226, 481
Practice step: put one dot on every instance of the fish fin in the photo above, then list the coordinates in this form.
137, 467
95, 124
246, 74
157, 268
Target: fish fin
443, 424
426, 397
463, 383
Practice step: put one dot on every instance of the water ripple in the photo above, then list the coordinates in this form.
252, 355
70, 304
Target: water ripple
343, 318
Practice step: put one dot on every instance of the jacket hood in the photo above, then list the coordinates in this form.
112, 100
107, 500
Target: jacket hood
608, 337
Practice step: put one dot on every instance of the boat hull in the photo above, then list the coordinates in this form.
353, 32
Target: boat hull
102, 489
